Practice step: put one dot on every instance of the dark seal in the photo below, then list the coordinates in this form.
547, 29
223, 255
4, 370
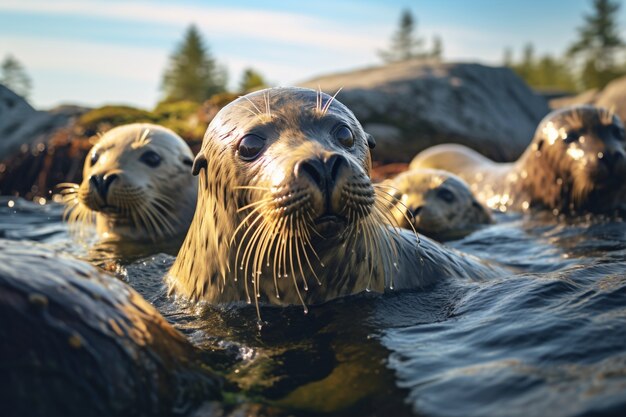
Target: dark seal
575, 164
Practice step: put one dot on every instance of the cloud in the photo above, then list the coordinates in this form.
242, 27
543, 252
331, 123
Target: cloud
284, 27
130, 62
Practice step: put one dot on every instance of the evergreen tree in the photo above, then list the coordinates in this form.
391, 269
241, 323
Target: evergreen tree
251, 80
598, 43
525, 69
192, 73
437, 51
404, 44
507, 59
14, 76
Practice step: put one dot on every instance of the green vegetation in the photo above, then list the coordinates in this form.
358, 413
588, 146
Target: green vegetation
546, 73
192, 73
251, 81
14, 76
592, 61
598, 45
406, 45
182, 117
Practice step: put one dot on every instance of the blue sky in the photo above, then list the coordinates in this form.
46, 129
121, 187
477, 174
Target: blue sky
97, 51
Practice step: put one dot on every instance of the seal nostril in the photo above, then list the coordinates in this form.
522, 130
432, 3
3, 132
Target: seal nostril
94, 180
102, 183
107, 180
314, 169
334, 164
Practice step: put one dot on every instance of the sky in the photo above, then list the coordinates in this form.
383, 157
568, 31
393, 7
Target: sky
93, 52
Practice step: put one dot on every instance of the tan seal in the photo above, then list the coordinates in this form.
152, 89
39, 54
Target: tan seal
437, 204
576, 163
287, 212
137, 186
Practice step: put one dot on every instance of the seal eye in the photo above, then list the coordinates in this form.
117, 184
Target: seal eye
94, 158
150, 158
250, 147
571, 137
445, 195
344, 135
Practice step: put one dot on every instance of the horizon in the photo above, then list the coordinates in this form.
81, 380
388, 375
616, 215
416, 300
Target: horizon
94, 53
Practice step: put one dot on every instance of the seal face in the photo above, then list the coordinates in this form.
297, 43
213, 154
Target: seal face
137, 185
437, 204
287, 212
576, 163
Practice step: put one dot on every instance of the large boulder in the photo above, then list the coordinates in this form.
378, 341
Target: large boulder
23, 127
411, 105
613, 96
75, 341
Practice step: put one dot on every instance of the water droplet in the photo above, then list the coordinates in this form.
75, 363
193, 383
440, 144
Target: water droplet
322, 264
600, 155
306, 310
11, 203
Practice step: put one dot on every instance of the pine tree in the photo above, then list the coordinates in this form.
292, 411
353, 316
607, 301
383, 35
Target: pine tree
507, 59
192, 73
404, 44
14, 76
437, 51
251, 80
598, 43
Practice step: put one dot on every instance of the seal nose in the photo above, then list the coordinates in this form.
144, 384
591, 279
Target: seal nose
102, 183
613, 157
324, 173
314, 169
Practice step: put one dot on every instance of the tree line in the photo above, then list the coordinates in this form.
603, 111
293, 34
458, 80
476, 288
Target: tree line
595, 58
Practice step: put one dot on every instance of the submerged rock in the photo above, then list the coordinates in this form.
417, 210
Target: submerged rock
75, 341
412, 105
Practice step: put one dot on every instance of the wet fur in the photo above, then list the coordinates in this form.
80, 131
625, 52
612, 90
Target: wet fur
553, 173
150, 204
422, 207
253, 236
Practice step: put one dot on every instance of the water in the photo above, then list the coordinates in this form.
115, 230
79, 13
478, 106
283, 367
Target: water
548, 339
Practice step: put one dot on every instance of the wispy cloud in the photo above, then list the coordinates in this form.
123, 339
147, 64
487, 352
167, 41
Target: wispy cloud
292, 28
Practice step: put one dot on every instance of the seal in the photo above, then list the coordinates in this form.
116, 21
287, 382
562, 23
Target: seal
437, 204
287, 212
77, 341
575, 164
137, 186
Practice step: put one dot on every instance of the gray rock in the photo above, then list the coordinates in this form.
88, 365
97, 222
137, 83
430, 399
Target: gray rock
21, 126
416, 104
613, 96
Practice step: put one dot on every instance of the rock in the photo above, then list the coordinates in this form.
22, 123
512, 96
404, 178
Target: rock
76, 341
613, 96
416, 104
23, 127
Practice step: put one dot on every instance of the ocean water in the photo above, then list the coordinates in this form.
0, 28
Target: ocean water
547, 339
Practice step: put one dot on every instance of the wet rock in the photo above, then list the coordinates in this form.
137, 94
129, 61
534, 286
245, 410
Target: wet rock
415, 104
75, 341
613, 96
23, 126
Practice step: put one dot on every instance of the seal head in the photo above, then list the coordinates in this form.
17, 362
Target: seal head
137, 185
